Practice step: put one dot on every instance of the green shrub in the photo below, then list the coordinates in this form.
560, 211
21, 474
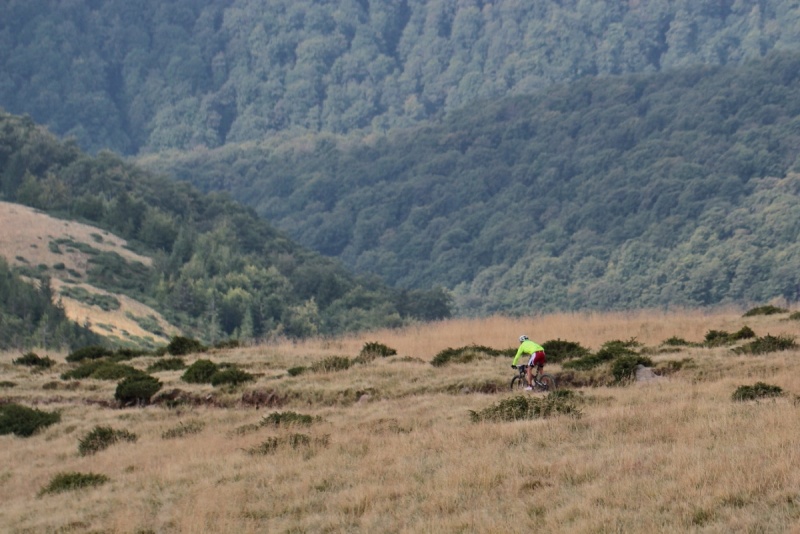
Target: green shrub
183, 429
101, 370
372, 350
31, 359
7, 384
558, 350
23, 421
331, 364
624, 367
294, 441
768, 343
166, 364
72, 481
764, 310
717, 338
465, 354
102, 437
137, 390
124, 354
232, 376
92, 352
675, 341
180, 346
227, 344
295, 371
794, 316
286, 419
200, 372
522, 407
759, 390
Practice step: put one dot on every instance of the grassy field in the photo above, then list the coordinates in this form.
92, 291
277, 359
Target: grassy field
390, 445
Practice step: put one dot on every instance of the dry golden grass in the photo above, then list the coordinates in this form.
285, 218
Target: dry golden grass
25, 237
677, 455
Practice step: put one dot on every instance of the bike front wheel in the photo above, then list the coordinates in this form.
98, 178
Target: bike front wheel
546, 383
518, 383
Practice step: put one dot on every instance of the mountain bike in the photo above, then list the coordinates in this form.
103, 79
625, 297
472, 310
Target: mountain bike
544, 382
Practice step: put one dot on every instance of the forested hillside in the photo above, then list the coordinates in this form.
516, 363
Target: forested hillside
144, 75
675, 189
218, 270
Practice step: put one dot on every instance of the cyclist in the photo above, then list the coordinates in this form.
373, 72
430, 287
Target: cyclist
536, 352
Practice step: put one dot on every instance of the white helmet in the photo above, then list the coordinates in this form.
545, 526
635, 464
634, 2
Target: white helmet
523, 338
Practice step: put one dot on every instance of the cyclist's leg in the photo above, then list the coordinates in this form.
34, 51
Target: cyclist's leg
538, 359
529, 371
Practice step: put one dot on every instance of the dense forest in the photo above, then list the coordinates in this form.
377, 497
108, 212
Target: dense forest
666, 189
219, 270
144, 75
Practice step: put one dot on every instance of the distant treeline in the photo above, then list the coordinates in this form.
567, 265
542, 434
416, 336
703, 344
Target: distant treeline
671, 189
144, 75
219, 270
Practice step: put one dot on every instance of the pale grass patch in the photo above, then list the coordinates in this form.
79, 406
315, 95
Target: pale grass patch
675, 455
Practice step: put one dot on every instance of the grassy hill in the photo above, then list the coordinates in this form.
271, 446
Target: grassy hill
389, 445
37, 243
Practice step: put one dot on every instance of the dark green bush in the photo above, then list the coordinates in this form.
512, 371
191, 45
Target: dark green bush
7, 384
295, 371
232, 376
92, 352
465, 354
137, 390
759, 390
624, 367
764, 310
768, 343
227, 344
72, 481
374, 349
23, 421
101, 370
180, 346
558, 350
675, 341
166, 364
522, 407
200, 372
286, 419
794, 316
331, 364
183, 429
102, 437
31, 359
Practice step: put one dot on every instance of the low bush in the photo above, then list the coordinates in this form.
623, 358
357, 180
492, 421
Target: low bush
759, 390
200, 372
183, 429
293, 441
23, 421
102, 370
91, 352
523, 407
675, 341
794, 316
295, 371
31, 359
331, 364
372, 350
102, 437
137, 390
166, 364
180, 346
764, 310
72, 481
466, 354
768, 343
286, 419
717, 338
558, 350
232, 376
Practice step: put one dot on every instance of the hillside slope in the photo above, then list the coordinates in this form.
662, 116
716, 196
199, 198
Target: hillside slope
213, 269
149, 75
676, 189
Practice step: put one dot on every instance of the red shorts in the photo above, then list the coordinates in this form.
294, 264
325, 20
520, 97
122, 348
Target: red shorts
537, 359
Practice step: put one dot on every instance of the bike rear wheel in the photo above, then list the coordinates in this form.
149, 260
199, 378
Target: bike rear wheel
546, 383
